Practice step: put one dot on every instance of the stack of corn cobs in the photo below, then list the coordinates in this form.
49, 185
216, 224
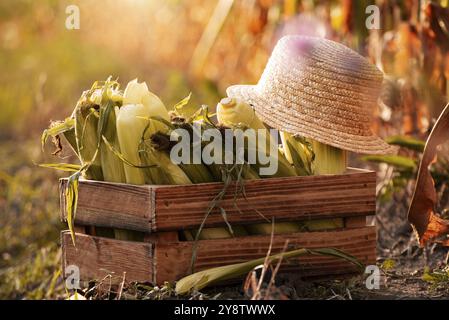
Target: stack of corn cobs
124, 136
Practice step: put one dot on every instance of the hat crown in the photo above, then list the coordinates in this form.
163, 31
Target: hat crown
309, 67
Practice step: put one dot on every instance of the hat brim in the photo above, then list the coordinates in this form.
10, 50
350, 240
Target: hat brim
276, 115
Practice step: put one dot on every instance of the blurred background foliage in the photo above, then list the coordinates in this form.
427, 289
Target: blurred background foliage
181, 46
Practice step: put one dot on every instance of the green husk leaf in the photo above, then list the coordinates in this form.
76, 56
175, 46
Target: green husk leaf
112, 167
71, 197
202, 115
103, 121
92, 112
399, 162
328, 159
62, 166
70, 136
148, 155
407, 142
197, 173
86, 128
121, 157
183, 102
161, 120
298, 163
57, 128
202, 279
299, 152
338, 254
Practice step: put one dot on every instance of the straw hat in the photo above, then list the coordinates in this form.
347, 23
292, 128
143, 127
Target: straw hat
319, 89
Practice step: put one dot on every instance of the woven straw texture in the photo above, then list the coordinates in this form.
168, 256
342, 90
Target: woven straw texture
319, 89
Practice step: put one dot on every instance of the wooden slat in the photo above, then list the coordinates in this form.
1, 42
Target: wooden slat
360, 248
286, 199
97, 257
172, 261
112, 205
168, 208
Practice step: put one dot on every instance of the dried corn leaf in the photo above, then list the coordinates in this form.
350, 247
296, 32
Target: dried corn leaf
421, 214
202, 279
122, 157
71, 196
62, 166
57, 128
406, 142
178, 107
400, 162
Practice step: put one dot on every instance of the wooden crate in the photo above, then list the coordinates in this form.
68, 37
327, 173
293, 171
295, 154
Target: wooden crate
162, 211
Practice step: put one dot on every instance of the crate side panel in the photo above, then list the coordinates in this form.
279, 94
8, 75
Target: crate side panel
98, 257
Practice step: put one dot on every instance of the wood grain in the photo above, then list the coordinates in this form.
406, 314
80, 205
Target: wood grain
212, 253
169, 208
168, 261
114, 205
99, 257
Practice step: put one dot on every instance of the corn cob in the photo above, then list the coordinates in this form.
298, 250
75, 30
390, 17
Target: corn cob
298, 152
111, 166
135, 125
279, 228
196, 172
213, 233
322, 224
202, 279
328, 159
129, 131
86, 122
233, 113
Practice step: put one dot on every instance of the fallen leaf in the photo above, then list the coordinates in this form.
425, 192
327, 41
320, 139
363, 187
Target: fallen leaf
421, 214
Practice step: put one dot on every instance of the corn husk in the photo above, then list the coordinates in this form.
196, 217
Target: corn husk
328, 159
237, 114
130, 127
70, 136
267, 228
86, 122
202, 279
112, 167
213, 233
240, 231
322, 224
298, 152
197, 173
